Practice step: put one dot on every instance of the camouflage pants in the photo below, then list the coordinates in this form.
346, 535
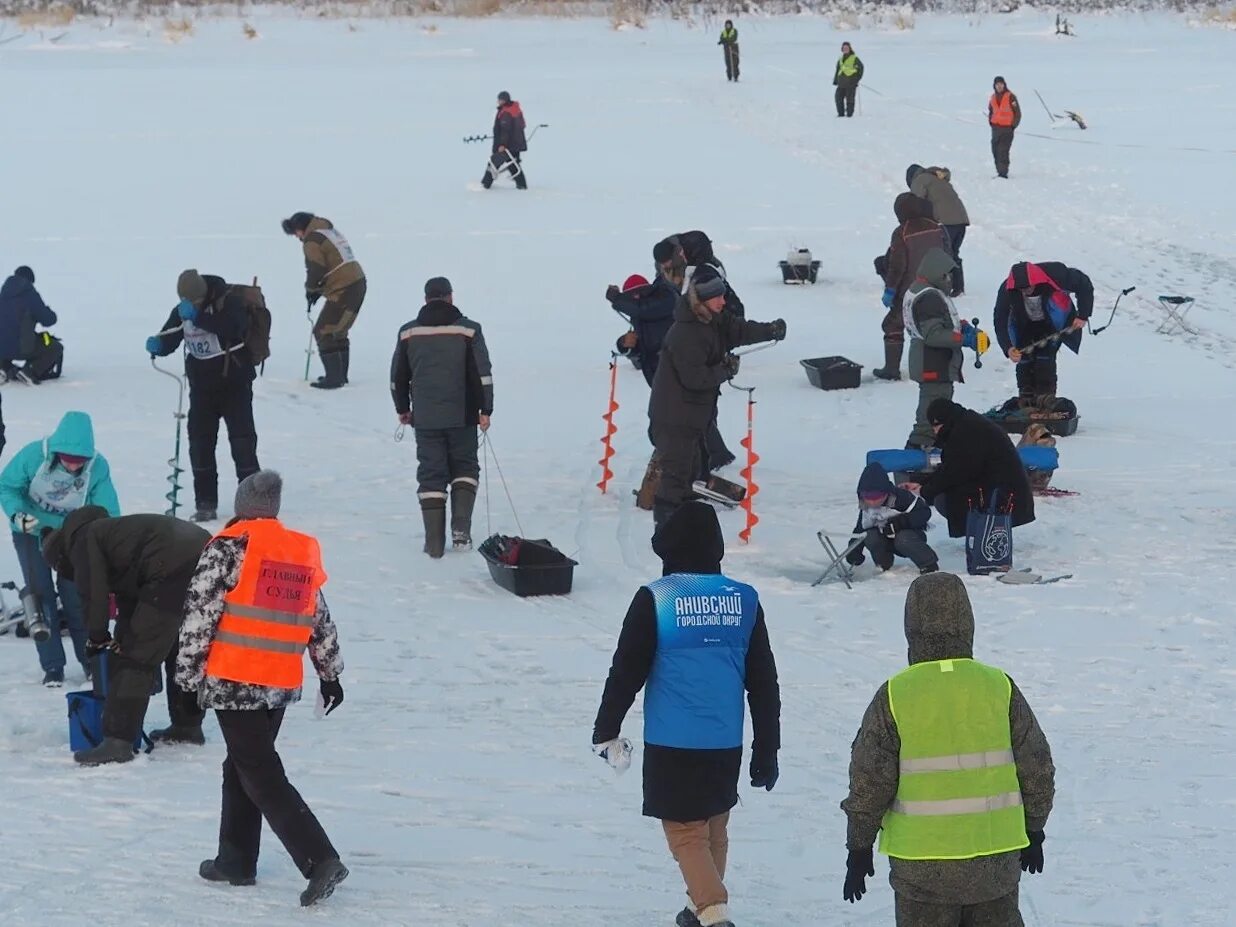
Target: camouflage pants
331, 329
1003, 912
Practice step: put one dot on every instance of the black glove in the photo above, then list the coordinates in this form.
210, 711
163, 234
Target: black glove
312, 298
332, 694
856, 556
611, 292
778, 329
764, 771
858, 865
730, 365
98, 645
1032, 856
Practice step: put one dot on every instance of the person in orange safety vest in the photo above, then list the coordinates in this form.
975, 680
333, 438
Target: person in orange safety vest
254, 607
1004, 116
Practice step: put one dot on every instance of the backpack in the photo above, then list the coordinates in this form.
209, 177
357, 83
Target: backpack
257, 337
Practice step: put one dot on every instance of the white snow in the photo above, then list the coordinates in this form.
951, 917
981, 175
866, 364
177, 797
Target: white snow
457, 779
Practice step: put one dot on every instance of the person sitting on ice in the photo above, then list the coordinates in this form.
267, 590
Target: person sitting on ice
893, 523
21, 310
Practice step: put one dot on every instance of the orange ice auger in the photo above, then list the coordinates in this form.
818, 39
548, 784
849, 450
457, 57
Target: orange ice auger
748, 472
610, 428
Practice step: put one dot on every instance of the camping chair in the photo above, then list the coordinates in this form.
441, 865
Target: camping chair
501, 161
1176, 307
844, 570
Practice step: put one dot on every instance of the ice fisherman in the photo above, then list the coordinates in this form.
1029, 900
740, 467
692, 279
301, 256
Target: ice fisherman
1004, 116
729, 45
892, 522
510, 141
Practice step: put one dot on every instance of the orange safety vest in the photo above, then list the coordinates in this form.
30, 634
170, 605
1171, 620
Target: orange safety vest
268, 618
1002, 109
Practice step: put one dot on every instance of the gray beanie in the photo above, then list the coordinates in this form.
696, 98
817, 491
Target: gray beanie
259, 495
191, 286
708, 283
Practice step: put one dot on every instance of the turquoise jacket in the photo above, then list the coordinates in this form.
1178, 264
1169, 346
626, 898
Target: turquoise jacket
33, 482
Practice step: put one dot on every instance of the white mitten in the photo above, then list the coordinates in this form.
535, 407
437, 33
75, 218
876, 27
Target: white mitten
616, 752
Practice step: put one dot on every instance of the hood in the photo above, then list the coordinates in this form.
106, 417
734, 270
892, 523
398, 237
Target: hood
936, 269
317, 223
907, 206
690, 540
513, 108
874, 479
15, 287
944, 412
438, 312
58, 543
939, 620
913, 171
1025, 274
942, 172
74, 435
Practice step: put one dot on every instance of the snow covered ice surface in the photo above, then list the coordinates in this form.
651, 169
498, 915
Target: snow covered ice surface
457, 779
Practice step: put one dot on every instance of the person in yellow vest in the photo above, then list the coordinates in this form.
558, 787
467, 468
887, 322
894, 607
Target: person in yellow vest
253, 608
1004, 116
849, 72
953, 773
729, 45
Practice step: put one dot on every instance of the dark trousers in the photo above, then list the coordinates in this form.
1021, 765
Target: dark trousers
894, 322
908, 542
336, 318
231, 400
682, 452
1003, 912
956, 235
129, 684
444, 455
1001, 143
506, 161
182, 706
844, 98
731, 61
1036, 374
256, 787
714, 446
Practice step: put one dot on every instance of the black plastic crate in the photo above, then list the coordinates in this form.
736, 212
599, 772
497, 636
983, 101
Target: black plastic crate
541, 569
833, 372
799, 273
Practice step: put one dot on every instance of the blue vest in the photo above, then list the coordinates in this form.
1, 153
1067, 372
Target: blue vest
693, 699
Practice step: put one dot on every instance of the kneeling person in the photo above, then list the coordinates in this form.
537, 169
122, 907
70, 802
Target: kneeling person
893, 523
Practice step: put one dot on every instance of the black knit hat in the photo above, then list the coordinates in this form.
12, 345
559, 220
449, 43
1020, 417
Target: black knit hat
437, 288
942, 411
504, 96
690, 540
25, 273
297, 222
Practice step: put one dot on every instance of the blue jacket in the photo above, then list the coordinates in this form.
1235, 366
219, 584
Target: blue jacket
21, 309
650, 310
34, 483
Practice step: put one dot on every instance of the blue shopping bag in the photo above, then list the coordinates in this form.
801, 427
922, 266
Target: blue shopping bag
989, 538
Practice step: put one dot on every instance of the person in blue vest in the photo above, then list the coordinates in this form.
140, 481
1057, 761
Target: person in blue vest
694, 640
953, 773
44, 482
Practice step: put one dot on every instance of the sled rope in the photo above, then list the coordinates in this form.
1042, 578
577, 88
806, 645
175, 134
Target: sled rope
491, 455
607, 442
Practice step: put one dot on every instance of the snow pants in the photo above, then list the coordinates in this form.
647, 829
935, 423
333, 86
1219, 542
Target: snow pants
910, 543
229, 400
1036, 377
1003, 912
921, 434
956, 235
255, 786
844, 98
682, 451
731, 61
37, 575
330, 331
700, 848
129, 684
443, 456
1001, 145
506, 162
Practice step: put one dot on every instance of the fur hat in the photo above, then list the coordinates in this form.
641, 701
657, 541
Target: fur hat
259, 495
191, 285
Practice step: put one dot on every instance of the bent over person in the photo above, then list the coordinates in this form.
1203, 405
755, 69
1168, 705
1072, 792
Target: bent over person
254, 606
953, 773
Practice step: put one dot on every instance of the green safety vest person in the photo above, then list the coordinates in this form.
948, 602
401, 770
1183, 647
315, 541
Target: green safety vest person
952, 766
729, 46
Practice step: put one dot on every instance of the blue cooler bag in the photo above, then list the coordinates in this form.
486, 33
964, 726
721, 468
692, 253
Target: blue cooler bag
989, 540
86, 713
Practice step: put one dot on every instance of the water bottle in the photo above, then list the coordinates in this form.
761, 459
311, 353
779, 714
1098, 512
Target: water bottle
36, 623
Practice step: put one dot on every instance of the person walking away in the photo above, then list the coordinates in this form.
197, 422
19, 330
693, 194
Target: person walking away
729, 45
937, 336
510, 141
443, 387
1036, 302
934, 184
892, 523
21, 310
916, 234
696, 360
145, 562
46, 481
1004, 116
331, 271
212, 320
694, 640
846, 79
254, 606
953, 773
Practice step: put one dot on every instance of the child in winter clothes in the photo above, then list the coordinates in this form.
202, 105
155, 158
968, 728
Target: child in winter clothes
894, 523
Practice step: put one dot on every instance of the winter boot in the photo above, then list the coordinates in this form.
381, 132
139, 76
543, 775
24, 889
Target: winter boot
686, 918
179, 734
929, 568
892, 361
205, 513
346, 354
433, 511
326, 876
647, 492
111, 750
333, 362
463, 499
53, 679
211, 872
717, 915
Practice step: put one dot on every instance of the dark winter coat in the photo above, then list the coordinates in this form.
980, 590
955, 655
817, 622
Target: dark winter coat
217, 574
650, 310
976, 457
145, 561
902, 509
225, 314
21, 309
690, 372
934, 184
917, 234
441, 372
509, 128
931, 323
940, 626
679, 784
844, 81
697, 250
1014, 328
